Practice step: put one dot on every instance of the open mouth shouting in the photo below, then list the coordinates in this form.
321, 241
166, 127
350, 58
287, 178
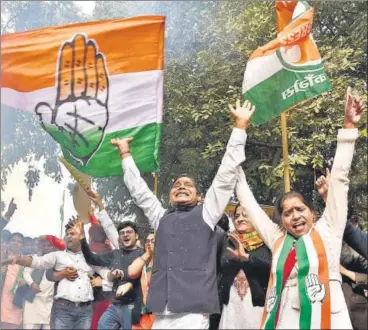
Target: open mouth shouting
300, 226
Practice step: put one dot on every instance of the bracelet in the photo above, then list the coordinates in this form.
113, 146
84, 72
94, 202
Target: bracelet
124, 152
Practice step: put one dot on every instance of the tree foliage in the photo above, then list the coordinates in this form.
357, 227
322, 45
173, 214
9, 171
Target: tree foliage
206, 49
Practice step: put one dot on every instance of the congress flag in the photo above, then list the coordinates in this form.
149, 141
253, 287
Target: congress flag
89, 83
287, 70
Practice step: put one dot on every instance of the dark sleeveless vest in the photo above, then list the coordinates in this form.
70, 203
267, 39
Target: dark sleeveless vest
184, 268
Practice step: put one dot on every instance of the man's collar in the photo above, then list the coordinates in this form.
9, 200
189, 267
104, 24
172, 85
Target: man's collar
181, 208
70, 251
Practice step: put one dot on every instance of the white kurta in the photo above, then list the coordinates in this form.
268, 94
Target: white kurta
330, 227
38, 311
240, 313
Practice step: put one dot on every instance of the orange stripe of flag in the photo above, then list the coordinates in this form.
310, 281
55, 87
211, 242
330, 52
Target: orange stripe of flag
295, 33
323, 276
29, 59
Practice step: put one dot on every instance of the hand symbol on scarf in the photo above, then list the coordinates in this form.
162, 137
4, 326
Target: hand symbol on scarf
315, 290
271, 300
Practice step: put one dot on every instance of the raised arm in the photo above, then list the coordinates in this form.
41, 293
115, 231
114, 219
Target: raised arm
109, 228
136, 267
105, 221
96, 259
336, 210
140, 192
9, 213
218, 195
266, 228
354, 237
101, 259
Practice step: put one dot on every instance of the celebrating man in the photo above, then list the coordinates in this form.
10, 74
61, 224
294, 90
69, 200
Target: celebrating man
183, 289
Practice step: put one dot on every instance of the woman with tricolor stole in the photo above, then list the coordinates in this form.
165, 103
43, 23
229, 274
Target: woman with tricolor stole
245, 265
304, 290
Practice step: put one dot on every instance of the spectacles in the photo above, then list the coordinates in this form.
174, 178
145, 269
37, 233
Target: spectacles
152, 240
126, 232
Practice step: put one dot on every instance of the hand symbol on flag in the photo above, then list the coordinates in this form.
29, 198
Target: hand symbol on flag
80, 115
315, 290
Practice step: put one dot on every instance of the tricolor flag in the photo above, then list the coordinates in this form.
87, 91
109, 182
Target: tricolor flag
89, 83
287, 70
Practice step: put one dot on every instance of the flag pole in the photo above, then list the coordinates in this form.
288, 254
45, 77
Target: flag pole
285, 151
156, 183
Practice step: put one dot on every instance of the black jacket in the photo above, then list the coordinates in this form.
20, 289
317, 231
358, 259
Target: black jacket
116, 259
354, 292
356, 239
257, 270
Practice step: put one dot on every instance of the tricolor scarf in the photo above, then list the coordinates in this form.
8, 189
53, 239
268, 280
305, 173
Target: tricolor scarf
17, 279
308, 252
251, 241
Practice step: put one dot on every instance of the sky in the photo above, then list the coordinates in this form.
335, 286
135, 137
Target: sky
86, 6
41, 215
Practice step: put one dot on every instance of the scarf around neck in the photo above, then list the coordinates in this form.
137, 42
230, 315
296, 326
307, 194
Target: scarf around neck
309, 254
251, 241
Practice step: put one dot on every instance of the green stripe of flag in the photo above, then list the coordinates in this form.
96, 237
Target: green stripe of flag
268, 96
305, 305
106, 162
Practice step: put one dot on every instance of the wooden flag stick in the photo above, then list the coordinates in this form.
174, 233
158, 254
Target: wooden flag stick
76, 176
156, 183
285, 151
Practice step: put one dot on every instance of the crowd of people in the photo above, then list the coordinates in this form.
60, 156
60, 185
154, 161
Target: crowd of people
198, 269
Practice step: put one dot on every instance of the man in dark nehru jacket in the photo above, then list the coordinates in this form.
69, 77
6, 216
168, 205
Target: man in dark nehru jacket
183, 289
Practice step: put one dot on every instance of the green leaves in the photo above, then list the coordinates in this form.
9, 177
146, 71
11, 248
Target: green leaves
206, 50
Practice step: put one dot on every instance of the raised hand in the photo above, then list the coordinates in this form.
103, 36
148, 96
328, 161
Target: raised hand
122, 145
96, 198
149, 249
322, 185
315, 290
11, 209
354, 107
239, 252
79, 116
78, 225
242, 114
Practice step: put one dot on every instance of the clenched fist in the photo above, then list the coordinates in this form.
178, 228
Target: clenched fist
79, 116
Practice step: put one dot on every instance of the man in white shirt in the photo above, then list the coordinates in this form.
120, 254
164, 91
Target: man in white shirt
39, 298
73, 299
